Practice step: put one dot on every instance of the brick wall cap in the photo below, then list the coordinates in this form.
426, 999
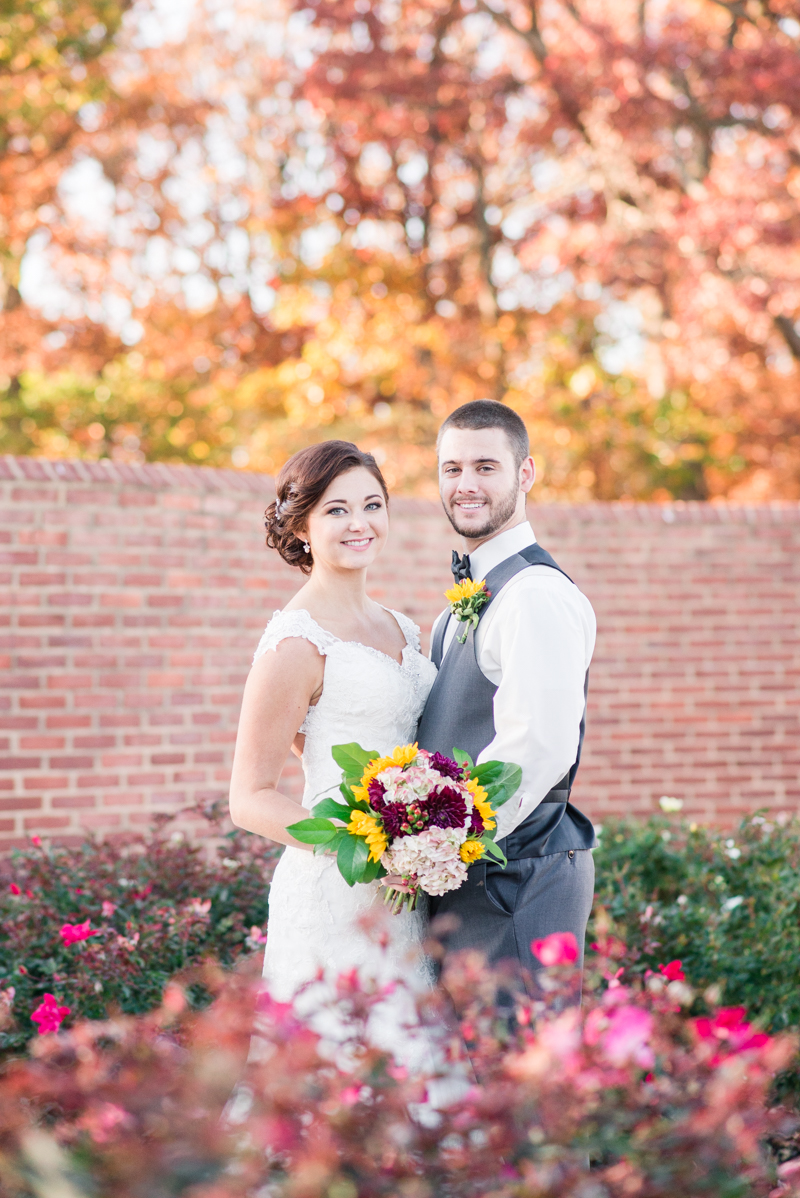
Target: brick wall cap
160, 476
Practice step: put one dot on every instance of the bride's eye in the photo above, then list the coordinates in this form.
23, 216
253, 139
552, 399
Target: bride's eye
375, 506
336, 511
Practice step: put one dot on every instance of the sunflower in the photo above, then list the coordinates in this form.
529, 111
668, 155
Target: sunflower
402, 755
470, 851
464, 590
364, 824
481, 801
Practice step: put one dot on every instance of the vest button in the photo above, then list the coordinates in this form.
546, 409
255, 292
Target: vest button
571, 854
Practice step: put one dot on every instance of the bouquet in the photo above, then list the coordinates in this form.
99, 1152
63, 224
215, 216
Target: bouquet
419, 815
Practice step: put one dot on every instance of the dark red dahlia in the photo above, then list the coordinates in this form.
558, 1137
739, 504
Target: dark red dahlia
446, 767
393, 816
446, 808
476, 823
376, 790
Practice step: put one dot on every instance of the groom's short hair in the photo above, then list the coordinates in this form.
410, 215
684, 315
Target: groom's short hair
490, 413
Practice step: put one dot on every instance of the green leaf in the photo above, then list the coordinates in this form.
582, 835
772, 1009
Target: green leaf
332, 809
352, 759
462, 758
332, 846
313, 831
500, 779
493, 850
373, 870
352, 858
353, 804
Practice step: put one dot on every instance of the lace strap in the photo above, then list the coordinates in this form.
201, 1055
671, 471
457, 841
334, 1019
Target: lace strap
286, 624
409, 629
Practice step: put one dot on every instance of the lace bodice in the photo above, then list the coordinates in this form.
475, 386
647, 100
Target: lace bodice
366, 697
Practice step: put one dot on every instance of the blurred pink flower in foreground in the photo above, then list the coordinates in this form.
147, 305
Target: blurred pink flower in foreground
627, 1037
559, 948
49, 1015
73, 933
102, 1121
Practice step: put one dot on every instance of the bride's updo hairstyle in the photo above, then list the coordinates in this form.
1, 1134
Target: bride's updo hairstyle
301, 484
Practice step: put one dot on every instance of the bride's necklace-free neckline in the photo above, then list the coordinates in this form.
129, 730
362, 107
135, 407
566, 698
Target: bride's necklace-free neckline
361, 644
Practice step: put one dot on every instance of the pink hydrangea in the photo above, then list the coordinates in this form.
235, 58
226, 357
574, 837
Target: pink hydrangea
73, 933
49, 1015
432, 857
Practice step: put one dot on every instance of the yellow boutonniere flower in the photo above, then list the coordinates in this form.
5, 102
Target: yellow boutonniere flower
466, 600
366, 825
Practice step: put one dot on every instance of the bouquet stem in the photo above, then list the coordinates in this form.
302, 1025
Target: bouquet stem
397, 899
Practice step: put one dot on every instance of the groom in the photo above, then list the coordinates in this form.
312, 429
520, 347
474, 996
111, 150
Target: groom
514, 691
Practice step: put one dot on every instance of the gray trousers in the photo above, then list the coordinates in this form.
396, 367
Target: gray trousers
500, 911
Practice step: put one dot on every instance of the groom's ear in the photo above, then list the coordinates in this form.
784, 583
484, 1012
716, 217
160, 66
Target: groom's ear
527, 474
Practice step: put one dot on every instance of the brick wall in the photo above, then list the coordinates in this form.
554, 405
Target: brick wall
133, 596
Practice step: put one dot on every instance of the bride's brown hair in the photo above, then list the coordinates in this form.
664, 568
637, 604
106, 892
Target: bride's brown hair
301, 484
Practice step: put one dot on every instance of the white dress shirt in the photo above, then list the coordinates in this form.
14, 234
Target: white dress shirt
534, 643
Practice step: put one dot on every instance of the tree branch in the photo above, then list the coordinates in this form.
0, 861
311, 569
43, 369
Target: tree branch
786, 327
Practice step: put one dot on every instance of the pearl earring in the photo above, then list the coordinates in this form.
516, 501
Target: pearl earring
306, 547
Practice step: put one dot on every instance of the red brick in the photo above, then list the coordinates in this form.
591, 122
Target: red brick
695, 687
73, 802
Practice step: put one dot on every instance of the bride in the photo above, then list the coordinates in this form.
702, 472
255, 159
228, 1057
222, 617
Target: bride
333, 666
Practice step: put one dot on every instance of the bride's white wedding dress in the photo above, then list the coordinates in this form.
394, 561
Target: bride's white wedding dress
317, 923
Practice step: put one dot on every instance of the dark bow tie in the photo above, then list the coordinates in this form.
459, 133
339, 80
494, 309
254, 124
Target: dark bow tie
460, 567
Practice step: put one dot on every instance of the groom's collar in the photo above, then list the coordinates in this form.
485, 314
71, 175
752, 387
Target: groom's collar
505, 544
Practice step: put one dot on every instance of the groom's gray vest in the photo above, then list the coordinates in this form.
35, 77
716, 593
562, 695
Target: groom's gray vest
459, 714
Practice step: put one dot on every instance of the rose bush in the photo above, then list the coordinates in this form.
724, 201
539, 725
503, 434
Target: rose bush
103, 927
662, 1103
727, 904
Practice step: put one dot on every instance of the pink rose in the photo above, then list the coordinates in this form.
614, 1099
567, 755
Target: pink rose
628, 1035
73, 933
49, 1015
559, 948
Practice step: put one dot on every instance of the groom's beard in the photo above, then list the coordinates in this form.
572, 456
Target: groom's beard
497, 511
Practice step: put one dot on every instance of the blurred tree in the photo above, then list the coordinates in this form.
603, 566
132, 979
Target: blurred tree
350, 217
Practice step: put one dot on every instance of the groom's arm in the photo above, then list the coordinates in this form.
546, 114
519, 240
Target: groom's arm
536, 648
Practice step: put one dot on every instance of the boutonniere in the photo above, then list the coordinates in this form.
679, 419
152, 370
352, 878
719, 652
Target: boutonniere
466, 600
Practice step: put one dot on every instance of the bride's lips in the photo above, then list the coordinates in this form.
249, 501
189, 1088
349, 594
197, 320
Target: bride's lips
359, 544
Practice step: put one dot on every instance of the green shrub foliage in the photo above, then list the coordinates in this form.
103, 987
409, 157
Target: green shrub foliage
726, 904
104, 926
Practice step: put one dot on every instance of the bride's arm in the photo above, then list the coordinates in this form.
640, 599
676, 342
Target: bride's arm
277, 695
